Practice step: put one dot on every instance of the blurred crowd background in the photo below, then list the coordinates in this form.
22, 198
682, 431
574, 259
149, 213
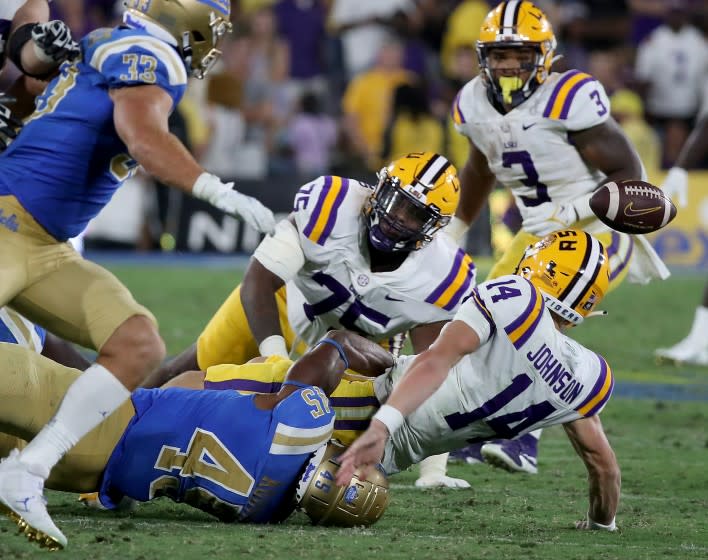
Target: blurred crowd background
311, 87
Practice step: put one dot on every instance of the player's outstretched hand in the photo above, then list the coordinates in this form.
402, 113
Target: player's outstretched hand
364, 454
209, 187
549, 217
9, 126
53, 42
675, 186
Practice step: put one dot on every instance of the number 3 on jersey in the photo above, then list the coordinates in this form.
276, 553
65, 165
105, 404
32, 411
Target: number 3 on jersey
523, 158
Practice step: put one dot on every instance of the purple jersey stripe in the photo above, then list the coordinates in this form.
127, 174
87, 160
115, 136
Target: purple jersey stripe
457, 115
432, 298
333, 213
598, 384
483, 310
462, 289
356, 425
243, 385
529, 308
318, 209
571, 95
614, 244
524, 337
616, 271
556, 90
598, 407
354, 401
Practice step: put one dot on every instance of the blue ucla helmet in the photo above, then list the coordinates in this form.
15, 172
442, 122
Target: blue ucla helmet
196, 27
361, 502
416, 196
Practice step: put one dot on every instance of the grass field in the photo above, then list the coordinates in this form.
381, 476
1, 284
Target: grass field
656, 422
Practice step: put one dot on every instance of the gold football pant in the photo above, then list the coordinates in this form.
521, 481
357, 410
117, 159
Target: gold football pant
51, 284
353, 400
31, 389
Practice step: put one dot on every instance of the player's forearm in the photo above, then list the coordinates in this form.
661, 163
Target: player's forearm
258, 299
604, 486
163, 156
474, 192
32, 11
696, 146
364, 356
32, 64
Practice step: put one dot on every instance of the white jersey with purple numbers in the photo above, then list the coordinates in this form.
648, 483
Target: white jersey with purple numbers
336, 287
528, 148
525, 375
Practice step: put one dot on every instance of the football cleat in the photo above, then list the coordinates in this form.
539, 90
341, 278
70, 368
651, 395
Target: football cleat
471, 454
22, 500
513, 455
684, 352
441, 481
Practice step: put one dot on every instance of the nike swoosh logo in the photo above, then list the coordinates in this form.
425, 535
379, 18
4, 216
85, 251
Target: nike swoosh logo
527, 126
389, 298
630, 211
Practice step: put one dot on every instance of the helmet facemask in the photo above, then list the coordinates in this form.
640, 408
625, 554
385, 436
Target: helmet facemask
512, 90
192, 41
397, 220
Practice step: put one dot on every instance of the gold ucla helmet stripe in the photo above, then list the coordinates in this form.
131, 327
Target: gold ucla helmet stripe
587, 273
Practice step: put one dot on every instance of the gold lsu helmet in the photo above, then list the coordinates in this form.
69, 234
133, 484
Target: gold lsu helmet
516, 24
571, 269
416, 195
362, 502
197, 27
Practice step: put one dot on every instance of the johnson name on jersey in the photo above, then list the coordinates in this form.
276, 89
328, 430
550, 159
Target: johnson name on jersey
217, 451
525, 375
528, 148
69, 159
336, 287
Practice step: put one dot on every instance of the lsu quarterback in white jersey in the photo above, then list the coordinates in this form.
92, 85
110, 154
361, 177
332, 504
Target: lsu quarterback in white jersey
503, 367
550, 139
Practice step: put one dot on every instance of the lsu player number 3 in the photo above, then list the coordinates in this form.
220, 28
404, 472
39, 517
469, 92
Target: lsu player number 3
550, 139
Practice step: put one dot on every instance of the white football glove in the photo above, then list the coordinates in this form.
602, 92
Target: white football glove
52, 41
675, 186
209, 188
549, 217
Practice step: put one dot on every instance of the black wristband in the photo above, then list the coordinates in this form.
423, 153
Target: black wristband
18, 39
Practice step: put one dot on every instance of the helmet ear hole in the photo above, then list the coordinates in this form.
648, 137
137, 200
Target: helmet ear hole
361, 503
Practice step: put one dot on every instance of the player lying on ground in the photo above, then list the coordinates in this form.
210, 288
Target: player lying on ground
523, 373
238, 457
504, 367
367, 258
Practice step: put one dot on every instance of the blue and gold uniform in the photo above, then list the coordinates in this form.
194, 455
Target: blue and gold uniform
217, 451
60, 172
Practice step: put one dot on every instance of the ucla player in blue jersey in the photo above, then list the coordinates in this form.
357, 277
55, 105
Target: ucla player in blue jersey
238, 457
36, 46
105, 114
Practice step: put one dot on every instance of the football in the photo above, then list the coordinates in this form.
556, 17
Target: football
632, 206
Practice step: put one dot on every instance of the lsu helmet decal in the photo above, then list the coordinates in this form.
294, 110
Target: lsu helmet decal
416, 195
571, 269
516, 24
362, 502
196, 26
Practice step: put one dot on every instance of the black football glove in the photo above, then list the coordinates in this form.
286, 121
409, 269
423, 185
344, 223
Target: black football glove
53, 41
9, 126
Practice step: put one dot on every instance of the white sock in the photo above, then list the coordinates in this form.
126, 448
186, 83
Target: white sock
699, 329
434, 466
88, 401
